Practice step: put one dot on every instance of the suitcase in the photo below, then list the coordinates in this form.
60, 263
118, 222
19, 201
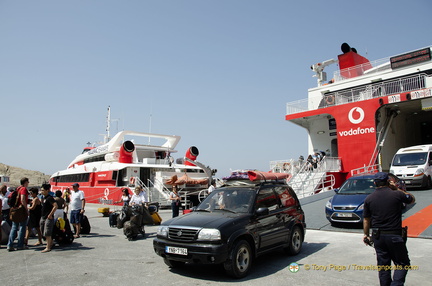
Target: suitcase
104, 211
156, 218
5, 229
85, 225
113, 219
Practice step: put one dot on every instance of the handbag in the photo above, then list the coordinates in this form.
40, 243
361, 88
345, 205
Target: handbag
18, 214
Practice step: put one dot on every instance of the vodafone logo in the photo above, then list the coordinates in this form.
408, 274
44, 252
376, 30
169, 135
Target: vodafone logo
356, 115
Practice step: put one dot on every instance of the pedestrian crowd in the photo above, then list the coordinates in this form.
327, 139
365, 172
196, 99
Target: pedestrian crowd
35, 211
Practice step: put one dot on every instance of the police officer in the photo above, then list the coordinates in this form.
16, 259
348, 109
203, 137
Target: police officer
383, 214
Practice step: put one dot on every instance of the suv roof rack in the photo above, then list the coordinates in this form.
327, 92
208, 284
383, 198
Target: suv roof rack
252, 178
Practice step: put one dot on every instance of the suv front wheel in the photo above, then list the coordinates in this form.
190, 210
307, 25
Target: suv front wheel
240, 260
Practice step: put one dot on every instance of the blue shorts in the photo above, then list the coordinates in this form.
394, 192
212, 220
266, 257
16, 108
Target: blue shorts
76, 217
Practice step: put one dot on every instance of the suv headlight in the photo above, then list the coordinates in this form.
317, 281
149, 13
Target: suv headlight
209, 234
162, 231
361, 207
329, 204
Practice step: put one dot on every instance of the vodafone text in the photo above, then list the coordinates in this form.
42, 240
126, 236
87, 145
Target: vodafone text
357, 131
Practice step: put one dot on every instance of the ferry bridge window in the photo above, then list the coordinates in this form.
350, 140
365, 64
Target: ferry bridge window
95, 159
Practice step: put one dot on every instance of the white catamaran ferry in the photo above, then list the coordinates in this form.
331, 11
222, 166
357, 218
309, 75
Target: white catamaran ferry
128, 160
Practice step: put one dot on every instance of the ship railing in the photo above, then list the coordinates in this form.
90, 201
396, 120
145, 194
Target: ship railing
366, 170
373, 90
317, 182
367, 68
309, 180
162, 190
285, 166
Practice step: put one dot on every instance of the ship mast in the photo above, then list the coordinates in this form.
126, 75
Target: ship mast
108, 122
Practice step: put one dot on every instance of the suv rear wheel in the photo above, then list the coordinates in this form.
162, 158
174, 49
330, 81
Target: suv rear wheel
295, 242
240, 260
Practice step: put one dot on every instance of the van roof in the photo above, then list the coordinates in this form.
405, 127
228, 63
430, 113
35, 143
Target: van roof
418, 148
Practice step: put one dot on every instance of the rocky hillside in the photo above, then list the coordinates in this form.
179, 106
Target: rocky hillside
36, 178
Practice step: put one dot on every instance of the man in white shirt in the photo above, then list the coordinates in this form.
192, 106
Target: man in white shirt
139, 197
77, 204
212, 187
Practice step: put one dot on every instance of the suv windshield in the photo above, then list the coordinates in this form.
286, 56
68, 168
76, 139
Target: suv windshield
238, 200
357, 186
410, 159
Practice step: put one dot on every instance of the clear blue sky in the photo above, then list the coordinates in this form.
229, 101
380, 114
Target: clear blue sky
217, 73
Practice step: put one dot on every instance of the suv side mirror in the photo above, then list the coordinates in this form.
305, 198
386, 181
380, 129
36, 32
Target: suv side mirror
336, 190
262, 211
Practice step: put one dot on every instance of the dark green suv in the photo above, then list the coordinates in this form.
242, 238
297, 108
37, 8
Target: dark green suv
233, 226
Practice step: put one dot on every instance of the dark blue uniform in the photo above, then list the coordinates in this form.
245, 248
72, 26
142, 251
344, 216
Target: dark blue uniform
384, 208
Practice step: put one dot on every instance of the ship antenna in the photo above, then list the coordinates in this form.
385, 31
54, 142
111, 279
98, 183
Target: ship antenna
108, 122
150, 121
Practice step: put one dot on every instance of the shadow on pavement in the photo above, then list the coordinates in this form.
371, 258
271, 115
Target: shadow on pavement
263, 266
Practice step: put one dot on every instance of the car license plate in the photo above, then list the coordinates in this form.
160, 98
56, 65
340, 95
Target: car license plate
344, 214
407, 182
176, 250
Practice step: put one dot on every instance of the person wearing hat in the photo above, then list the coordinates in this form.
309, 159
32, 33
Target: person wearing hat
383, 214
77, 204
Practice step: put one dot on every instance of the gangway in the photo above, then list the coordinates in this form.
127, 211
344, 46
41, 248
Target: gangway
307, 180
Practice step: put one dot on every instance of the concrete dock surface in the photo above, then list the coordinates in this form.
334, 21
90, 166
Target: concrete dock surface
106, 257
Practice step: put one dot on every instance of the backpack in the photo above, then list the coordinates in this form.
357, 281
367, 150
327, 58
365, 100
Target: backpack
12, 198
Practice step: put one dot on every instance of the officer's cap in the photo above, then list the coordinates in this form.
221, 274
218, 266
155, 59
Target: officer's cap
381, 176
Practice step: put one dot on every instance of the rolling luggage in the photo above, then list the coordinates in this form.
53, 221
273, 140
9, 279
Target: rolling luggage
113, 219
5, 229
85, 225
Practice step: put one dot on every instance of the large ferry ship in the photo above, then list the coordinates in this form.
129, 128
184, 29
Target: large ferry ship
129, 159
361, 116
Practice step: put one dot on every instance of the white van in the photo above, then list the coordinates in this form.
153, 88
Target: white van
414, 165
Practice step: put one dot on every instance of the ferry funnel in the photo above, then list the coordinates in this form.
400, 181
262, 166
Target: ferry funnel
191, 154
126, 152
